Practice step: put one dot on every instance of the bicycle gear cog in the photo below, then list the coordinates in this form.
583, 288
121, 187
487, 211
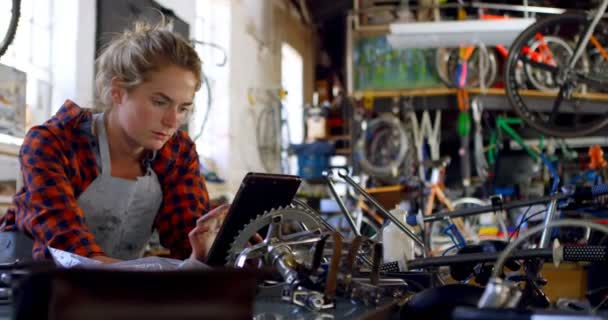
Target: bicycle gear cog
306, 219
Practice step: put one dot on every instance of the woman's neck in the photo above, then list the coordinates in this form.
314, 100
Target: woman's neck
122, 147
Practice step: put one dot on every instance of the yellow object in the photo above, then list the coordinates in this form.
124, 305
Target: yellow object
488, 231
282, 94
368, 102
567, 281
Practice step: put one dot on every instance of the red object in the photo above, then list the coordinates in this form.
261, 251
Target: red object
596, 156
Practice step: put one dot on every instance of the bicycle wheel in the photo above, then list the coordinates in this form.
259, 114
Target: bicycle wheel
446, 62
569, 105
8, 27
383, 146
440, 241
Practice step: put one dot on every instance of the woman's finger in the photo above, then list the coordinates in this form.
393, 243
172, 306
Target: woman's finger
219, 212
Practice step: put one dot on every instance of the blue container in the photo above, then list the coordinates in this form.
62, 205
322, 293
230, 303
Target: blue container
313, 158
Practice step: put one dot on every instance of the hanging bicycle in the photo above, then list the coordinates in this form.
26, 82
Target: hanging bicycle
577, 105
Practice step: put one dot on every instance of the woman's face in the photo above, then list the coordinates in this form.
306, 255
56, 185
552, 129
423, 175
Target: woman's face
151, 113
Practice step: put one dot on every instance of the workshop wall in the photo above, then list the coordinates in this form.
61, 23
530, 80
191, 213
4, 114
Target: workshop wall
258, 30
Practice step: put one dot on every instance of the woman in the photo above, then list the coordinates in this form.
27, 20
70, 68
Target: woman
97, 184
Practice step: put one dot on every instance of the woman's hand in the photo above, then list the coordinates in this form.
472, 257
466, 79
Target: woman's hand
207, 228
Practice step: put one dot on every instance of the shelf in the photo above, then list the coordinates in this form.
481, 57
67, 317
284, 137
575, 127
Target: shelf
492, 99
404, 93
593, 96
343, 151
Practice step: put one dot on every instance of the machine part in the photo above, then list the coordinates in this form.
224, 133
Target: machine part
301, 296
276, 221
331, 282
500, 294
383, 146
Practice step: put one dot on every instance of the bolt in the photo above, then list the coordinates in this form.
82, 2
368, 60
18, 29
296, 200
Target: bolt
315, 302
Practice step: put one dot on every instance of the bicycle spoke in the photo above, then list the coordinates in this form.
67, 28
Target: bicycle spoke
596, 83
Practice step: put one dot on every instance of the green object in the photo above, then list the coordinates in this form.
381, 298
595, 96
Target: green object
464, 123
378, 66
493, 148
503, 124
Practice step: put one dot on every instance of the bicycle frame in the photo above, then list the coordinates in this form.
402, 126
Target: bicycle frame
580, 46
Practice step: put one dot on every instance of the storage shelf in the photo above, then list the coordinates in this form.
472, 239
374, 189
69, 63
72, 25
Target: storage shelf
492, 99
593, 96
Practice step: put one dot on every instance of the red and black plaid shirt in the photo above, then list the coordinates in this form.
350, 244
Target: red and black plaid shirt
58, 163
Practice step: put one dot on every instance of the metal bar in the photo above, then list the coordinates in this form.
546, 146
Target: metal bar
582, 44
386, 214
349, 54
545, 238
477, 257
345, 212
489, 208
520, 8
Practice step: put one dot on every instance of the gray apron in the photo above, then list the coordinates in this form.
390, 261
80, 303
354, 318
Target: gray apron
120, 212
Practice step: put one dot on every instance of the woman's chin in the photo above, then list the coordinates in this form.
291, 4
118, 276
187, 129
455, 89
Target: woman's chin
154, 144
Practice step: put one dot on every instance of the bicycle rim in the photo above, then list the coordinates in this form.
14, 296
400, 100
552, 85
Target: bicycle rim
581, 111
11, 28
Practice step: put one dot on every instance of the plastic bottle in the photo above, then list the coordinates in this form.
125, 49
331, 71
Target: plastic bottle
397, 246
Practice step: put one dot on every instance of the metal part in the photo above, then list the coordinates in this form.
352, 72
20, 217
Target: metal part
301, 296
274, 220
282, 258
500, 294
588, 33
343, 209
545, 238
386, 214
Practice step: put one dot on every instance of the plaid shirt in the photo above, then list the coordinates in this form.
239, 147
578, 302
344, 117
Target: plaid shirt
58, 163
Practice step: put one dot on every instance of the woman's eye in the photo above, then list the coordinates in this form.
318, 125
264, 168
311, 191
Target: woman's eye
158, 103
184, 110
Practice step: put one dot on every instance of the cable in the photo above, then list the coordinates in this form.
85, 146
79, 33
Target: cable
205, 82
521, 222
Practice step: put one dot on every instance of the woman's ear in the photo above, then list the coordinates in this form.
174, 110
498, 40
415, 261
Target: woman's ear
117, 90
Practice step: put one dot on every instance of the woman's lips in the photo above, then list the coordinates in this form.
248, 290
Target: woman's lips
160, 135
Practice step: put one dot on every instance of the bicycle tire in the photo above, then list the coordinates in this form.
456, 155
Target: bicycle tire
366, 161
12, 27
517, 101
447, 59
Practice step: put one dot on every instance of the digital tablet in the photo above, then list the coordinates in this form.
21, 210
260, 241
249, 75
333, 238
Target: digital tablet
259, 192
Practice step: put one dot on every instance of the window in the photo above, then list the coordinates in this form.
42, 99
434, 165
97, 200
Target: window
212, 25
292, 78
31, 53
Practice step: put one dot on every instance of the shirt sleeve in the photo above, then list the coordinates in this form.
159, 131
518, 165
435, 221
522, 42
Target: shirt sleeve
47, 208
185, 199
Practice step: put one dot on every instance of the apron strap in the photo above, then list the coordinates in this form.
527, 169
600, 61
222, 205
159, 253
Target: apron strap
102, 139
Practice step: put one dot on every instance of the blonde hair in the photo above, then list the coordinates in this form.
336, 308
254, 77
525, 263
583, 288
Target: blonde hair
133, 54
